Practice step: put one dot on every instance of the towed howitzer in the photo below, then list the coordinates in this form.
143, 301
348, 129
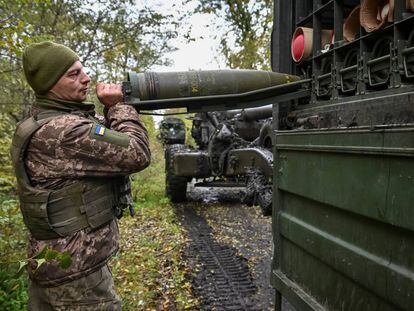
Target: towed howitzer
233, 144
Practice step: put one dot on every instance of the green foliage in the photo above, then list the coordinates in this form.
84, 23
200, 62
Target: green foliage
247, 43
148, 185
48, 254
13, 291
148, 122
12, 230
13, 277
111, 38
13, 287
149, 271
7, 179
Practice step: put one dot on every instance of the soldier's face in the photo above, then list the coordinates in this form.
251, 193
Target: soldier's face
73, 85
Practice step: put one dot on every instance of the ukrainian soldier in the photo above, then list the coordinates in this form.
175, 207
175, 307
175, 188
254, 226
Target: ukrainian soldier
72, 169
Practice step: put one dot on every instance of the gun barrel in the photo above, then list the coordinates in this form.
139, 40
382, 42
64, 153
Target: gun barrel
204, 90
251, 114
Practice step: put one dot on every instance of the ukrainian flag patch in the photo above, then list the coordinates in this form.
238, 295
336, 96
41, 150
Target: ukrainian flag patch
100, 130
101, 133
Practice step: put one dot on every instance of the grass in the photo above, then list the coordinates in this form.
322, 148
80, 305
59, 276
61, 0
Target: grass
149, 271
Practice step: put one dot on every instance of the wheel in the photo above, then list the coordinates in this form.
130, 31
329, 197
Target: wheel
266, 136
264, 198
259, 191
175, 186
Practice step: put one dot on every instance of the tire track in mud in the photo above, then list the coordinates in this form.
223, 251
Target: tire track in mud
221, 280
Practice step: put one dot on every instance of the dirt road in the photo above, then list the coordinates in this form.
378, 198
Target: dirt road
229, 251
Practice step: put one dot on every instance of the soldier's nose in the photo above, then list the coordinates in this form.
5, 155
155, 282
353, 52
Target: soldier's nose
85, 77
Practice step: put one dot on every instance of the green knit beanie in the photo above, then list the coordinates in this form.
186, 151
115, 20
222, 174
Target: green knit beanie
44, 63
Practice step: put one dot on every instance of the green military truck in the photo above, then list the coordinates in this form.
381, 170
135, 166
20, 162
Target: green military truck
343, 220
343, 147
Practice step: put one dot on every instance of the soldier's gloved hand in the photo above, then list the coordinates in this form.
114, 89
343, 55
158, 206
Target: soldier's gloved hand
109, 94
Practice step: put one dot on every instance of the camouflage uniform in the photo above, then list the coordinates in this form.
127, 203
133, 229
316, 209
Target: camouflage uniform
95, 291
59, 153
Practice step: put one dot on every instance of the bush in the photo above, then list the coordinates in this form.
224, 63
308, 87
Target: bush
13, 288
7, 179
13, 291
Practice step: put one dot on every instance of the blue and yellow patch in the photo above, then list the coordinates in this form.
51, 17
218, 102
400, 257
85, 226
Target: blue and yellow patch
103, 134
100, 130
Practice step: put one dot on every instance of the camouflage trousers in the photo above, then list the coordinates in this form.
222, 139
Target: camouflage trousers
95, 291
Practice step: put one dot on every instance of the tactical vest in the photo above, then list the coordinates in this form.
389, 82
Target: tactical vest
87, 203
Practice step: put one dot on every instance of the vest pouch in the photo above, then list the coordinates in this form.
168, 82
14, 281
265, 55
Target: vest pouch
66, 215
100, 203
35, 215
100, 212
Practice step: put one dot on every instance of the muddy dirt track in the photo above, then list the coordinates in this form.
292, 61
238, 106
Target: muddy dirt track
229, 251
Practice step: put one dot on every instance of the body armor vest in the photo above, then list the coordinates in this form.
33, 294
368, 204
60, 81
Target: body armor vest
87, 203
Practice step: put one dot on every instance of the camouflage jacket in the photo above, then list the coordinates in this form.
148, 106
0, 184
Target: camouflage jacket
62, 151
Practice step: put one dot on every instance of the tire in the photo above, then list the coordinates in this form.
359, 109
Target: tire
175, 186
265, 201
266, 136
258, 192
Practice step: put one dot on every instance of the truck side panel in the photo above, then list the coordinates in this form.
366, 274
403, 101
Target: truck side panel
345, 217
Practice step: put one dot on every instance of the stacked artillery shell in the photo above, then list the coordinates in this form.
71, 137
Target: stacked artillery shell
352, 24
372, 14
410, 5
302, 42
